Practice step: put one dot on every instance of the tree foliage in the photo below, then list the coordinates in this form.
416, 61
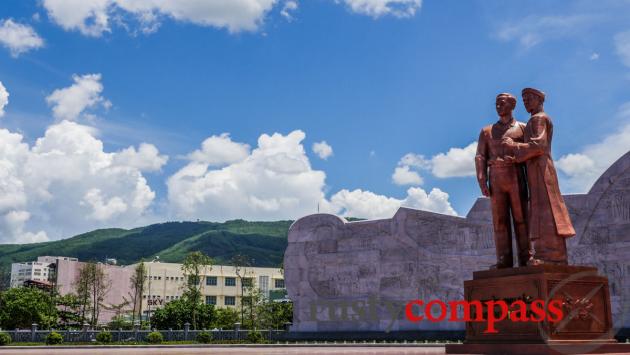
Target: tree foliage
22, 306
195, 267
179, 312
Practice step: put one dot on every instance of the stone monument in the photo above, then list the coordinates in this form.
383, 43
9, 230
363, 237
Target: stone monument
332, 265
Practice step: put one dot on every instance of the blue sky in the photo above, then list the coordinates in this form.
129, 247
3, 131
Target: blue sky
374, 79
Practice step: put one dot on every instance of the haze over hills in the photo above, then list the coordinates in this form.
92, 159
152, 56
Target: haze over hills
264, 242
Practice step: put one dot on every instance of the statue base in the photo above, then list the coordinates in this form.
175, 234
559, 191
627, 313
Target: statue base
585, 303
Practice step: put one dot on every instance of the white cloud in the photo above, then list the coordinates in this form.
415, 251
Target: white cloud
584, 168
322, 149
220, 151
19, 38
65, 183
274, 181
366, 204
403, 176
457, 162
4, 98
90, 17
289, 6
378, 8
594, 56
622, 46
533, 30
146, 158
68, 103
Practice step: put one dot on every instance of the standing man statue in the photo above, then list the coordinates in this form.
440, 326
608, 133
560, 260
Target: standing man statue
549, 223
504, 181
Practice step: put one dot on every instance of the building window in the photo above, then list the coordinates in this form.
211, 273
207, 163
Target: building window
279, 283
230, 281
211, 281
230, 300
247, 282
193, 280
211, 300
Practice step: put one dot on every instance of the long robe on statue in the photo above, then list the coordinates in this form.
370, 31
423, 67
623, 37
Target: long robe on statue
549, 223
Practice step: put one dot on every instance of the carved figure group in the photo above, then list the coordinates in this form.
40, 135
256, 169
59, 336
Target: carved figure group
515, 170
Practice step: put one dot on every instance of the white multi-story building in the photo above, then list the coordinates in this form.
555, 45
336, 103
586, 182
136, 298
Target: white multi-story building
220, 284
34, 270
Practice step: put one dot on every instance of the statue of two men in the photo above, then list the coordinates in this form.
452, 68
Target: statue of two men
515, 170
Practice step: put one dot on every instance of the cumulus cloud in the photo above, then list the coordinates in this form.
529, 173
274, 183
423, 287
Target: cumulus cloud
533, 30
68, 103
457, 162
366, 204
289, 7
19, 38
622, 46
145, 158
584, 168
322, 149
4, 98
404, 176
378, 8
276, 181
65, 183
92, 17
220, 151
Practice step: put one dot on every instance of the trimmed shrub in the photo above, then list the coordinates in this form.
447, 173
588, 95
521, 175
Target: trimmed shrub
204, 337
54, 338
104, 337
5, 339
155, 338
255, 337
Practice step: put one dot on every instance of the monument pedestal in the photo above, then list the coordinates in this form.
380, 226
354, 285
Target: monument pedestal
586, 326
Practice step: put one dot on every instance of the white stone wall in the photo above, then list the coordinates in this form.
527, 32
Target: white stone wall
363, 268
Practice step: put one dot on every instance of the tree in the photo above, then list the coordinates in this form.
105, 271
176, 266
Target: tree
118, 320
137, 281
274, 315
92, 286
241, 263
225, 318
22, 306
69, 309
178, 312
252, 301
195, 266
5, 278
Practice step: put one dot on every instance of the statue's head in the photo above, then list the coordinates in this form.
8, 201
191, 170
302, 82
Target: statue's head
505, 104
533, 99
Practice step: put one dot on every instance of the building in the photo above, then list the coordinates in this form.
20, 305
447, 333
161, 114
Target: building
220, 284
34, 270
165, 282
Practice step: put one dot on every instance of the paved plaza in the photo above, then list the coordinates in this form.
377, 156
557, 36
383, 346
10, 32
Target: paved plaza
359, 350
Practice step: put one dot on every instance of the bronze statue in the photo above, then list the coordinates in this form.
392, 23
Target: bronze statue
548, 219
504, 181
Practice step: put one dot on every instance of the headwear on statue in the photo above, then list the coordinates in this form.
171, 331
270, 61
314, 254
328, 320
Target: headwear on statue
535, 92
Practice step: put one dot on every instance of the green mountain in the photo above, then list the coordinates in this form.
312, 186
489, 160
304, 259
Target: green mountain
264, 242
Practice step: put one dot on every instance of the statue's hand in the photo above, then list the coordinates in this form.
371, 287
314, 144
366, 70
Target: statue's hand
485, 190
507, 141
509, 159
